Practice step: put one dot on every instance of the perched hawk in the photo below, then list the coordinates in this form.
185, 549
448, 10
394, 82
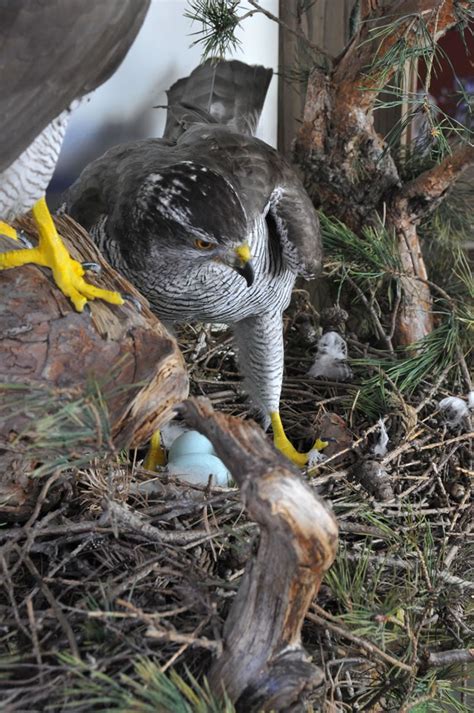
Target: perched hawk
210, 223
51, 53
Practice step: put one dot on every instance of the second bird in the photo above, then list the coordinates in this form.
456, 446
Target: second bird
209, 223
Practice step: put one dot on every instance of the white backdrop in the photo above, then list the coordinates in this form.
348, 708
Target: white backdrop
122, 110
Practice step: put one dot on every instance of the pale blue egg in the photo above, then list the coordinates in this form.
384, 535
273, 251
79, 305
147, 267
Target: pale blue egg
197, 467
190, 442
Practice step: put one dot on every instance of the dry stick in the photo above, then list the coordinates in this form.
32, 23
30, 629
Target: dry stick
8, 585
183, 648
297, 33
130, 520
263, 666
414, 443
189, 639
373, 314
418, 486
55, 606
34, 636
68, 528
434, 388
455, 548
326, 621
440, 659
154, 633
410, 566
30, 535
454, 439
464, 367
41, 498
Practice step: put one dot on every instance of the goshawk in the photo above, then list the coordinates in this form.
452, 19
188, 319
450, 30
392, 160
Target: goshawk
210, 223
52, 52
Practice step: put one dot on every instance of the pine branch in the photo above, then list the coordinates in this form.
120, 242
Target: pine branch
411, 26
426, 191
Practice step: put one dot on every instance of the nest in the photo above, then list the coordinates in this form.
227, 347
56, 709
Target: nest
116, 600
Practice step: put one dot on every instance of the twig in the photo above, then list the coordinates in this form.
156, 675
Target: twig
189, 639
185, 645
373, 314
327, 620
55, 606
440, 659
116, 512
34, 635
410, 567
296, 33
455, 439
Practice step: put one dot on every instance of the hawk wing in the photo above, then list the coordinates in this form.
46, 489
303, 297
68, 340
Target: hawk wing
297, 226
55, 51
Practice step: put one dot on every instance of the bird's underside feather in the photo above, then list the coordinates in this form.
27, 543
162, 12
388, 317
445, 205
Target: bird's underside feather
231, 94
53, 52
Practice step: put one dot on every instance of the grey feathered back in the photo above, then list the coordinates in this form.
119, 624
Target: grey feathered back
229, 93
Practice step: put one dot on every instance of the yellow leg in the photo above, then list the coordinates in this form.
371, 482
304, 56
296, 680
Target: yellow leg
283, 444
156, 454
7, 230
51, 252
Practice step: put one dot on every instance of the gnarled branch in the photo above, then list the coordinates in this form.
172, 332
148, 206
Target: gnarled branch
263, 666
425, 192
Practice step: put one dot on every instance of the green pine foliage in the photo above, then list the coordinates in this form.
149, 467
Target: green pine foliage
148, 690
219, 21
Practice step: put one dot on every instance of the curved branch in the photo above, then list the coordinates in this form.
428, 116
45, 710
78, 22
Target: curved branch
425, 192
263, 666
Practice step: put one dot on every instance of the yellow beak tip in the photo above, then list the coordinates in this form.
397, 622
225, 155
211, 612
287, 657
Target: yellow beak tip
243, 252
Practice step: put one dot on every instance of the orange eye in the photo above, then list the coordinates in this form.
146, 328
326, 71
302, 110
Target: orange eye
202, 244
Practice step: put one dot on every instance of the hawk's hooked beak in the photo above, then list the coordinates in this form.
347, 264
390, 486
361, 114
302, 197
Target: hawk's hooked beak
243, 264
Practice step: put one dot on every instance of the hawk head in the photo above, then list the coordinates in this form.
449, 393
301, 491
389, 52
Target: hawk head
188, 208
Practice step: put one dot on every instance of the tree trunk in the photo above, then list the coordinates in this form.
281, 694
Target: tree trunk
74, 385
347, 166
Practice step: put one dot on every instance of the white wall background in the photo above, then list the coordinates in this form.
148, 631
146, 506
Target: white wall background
122, 110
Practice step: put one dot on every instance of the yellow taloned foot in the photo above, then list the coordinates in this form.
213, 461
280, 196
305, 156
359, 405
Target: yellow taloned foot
156, 454
281, 442
7, 230
51, 252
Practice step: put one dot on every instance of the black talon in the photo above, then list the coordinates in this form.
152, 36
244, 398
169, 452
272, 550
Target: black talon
92, 267
136, 303
24, 240
87, 310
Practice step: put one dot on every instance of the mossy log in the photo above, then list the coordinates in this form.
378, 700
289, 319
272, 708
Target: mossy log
75, 384
263, 666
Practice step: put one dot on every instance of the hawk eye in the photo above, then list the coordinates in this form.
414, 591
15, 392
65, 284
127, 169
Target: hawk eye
203, 244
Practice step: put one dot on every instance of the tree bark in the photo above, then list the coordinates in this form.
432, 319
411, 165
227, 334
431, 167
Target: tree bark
264, 666
76, 384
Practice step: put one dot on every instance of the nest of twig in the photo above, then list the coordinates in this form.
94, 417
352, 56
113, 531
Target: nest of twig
115, 600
